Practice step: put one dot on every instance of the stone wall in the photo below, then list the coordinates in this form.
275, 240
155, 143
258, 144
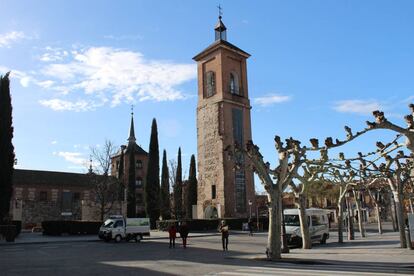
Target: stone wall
209, 152
34, 212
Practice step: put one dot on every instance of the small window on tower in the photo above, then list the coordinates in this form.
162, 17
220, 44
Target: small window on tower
138, 183
138, 164
234, 84
211, 83
213, 192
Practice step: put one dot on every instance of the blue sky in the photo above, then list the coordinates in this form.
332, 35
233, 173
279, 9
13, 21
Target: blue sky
315, 67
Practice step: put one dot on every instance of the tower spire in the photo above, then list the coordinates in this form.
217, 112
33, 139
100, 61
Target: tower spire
90, 164
131, 138
220, 29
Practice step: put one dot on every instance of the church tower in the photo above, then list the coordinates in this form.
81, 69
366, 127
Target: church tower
121, 169
223, 119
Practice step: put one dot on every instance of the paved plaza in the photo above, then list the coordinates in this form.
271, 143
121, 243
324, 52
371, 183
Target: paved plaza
375, 255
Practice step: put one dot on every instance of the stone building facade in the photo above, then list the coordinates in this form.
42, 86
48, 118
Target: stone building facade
223, 119
47, 195
120, 168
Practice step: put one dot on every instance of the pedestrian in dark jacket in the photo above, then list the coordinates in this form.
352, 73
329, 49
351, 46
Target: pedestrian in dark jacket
250, 226
172, 232
224, 230
184, 230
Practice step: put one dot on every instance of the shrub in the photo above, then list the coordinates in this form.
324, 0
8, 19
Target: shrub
59, 227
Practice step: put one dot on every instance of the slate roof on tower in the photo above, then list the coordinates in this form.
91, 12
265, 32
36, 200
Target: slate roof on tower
220, 42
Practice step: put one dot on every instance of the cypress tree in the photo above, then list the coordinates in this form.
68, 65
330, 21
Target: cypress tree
165, 188
178, 188
6, 147
152, 185
192, 188
131, 197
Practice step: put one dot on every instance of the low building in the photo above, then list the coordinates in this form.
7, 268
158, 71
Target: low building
48, 195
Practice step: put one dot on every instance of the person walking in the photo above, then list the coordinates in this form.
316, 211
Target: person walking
184, 230
224, 229
172, 232
250, 226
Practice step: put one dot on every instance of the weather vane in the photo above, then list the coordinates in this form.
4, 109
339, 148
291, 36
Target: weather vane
220, 10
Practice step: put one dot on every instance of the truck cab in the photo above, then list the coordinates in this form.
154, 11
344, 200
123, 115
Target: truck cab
119, 228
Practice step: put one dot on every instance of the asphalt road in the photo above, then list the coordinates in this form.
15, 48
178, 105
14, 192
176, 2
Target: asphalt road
372, 256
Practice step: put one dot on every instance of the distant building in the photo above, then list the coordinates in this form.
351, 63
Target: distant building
47, 195
121, 168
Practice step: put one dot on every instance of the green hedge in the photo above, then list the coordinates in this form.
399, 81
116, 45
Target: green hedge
71, 227
212, 224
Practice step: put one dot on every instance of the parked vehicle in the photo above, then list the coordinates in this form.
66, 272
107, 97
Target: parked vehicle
318, 223
119, 228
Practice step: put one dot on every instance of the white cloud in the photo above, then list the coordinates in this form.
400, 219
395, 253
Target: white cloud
85, 79
104, 74
363, 107
61, 105
46, 83
54, 142
9, 38
271, 99
53, 54
24, 78
72, 157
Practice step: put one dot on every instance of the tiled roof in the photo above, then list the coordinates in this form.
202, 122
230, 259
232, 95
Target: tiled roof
220, 43
32, 177
138, 150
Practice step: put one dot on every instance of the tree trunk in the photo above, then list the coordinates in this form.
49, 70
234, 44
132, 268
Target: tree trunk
340, 221
304, 227
351, 235
400, 219
273, 250
392, 209
360, 216
378, 218
285, 247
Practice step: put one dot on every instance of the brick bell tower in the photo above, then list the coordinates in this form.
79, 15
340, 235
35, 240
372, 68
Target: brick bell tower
223, 119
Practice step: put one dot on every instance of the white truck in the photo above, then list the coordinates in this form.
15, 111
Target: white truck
119, 228
317, 220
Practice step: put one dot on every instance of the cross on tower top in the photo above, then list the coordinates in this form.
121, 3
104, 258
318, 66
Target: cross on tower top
220, 29
220, 9
132, 109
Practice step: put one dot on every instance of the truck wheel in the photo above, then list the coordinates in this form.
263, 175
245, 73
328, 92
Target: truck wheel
323, 240
118, 238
